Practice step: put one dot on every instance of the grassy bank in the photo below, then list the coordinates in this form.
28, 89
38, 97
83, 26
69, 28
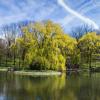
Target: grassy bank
37, 73
32, 73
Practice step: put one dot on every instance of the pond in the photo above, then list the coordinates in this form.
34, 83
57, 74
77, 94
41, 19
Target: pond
64, 87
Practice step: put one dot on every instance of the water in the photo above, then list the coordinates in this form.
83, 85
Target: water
73, 87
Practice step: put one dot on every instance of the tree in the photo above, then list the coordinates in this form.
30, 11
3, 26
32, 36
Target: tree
9, 33
26, 46
88, 45
45, 45
79, 31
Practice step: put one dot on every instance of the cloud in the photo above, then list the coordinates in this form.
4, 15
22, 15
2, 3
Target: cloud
81, 17
20, 10
12, 19
13, 11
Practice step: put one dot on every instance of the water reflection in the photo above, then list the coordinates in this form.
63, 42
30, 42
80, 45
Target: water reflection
72, 87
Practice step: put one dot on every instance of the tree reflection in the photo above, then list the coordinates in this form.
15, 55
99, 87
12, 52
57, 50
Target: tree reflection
14, 87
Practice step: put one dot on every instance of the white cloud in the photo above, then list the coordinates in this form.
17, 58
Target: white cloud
25, 9
12, 19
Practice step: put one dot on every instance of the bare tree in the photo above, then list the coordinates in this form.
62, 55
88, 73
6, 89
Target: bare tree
10, 33
79, 31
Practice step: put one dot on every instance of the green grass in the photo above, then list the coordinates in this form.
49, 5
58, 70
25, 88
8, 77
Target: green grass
93, 64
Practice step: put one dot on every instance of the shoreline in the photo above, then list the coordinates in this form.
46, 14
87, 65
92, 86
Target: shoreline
33, 73
40, 73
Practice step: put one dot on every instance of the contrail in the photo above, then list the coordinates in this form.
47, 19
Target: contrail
70, 17
83, 18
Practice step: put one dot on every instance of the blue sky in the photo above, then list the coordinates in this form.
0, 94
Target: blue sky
13, 11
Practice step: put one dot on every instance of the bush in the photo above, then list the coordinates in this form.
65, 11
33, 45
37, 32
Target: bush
40, 63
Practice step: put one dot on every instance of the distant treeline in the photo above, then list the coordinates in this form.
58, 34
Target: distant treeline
45, 46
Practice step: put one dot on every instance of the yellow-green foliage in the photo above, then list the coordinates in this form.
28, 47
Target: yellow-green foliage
47, 43
90, 42
44, 45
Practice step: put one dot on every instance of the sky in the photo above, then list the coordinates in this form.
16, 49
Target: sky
68, 13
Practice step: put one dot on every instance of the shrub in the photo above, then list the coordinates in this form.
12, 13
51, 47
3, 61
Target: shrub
40, 63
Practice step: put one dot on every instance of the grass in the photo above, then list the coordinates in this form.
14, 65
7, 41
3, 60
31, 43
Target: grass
37, 73
32, 73
93, 64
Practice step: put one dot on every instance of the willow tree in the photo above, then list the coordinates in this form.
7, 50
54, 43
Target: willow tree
45, 46
89, 44
25, 44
